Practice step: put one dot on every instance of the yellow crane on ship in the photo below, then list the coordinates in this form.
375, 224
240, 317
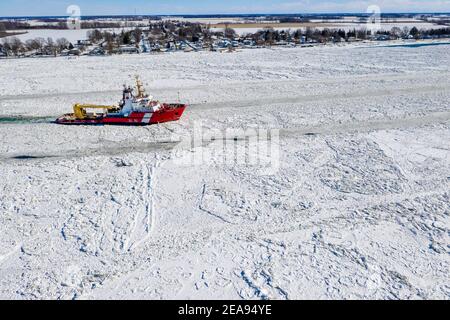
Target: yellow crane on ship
80, 110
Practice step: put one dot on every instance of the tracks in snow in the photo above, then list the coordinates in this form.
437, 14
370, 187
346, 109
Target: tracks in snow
363, 94
144, 224
260, 85
99, 150
202, 208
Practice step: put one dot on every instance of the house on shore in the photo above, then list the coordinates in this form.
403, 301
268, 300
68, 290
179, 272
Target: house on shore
128, 49
97, 52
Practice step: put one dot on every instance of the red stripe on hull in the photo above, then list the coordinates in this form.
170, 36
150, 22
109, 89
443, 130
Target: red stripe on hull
133, 118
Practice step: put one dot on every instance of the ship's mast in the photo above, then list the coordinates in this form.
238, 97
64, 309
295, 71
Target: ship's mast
140, 88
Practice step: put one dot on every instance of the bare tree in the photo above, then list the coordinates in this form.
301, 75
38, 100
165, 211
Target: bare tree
94, 36
137, 36
35, 44
16, 46
206, 33
396, 32
50, 44
230, 33
361, 34
109, 38
31, 45
269, 35
62, 43
40, 44
6, 45
405, 32
309, 33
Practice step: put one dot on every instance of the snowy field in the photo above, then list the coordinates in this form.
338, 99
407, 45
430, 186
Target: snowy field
347, 26
351, 202
75, 35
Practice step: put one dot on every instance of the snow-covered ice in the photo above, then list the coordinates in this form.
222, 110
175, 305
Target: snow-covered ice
358, 207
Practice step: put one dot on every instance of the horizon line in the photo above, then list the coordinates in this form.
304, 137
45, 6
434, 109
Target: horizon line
221, 14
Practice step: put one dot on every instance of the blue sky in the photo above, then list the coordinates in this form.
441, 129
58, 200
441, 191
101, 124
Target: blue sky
110, 7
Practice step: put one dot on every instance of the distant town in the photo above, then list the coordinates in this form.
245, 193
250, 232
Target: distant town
100, 36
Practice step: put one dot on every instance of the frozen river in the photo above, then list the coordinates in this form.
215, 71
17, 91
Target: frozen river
348, 196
